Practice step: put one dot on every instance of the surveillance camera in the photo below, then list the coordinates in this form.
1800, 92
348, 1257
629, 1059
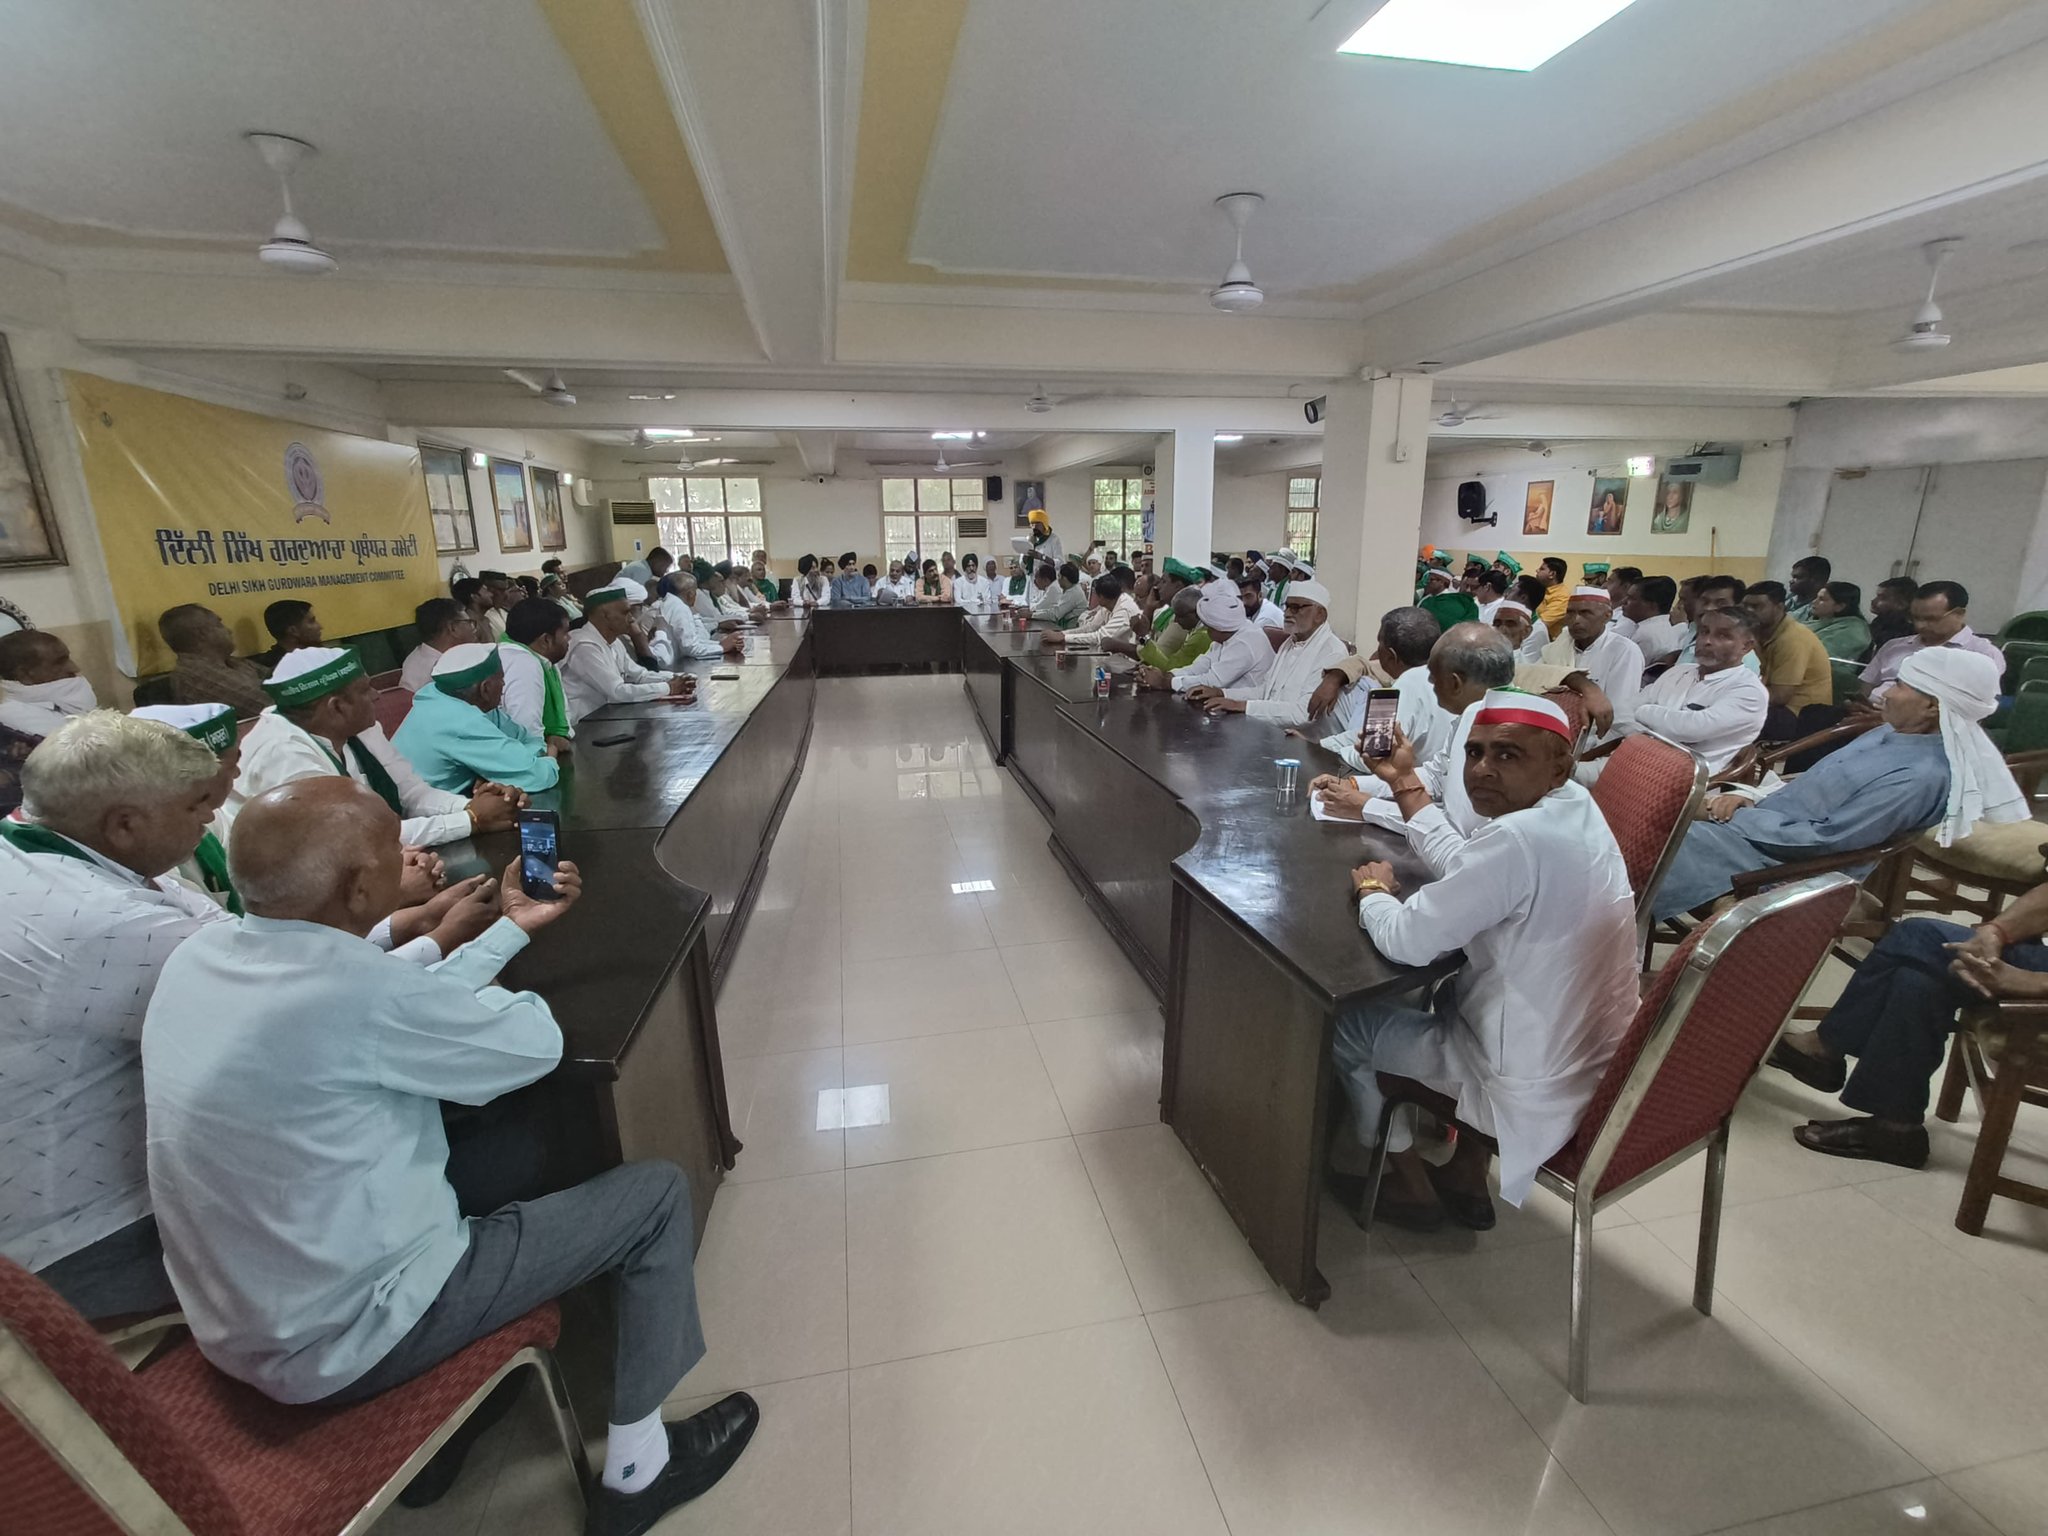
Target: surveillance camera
1313, 409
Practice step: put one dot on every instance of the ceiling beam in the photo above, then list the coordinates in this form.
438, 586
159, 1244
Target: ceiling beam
819, 451
1068, 450
1979, 132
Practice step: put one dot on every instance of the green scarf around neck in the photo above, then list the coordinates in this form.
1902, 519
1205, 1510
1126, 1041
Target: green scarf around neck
554, 699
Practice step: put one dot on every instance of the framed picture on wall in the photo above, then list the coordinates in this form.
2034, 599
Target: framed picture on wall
508, 495
28, 528
1030, 495
1674, 506
1610, 505
1536, 506
547, 509
448, 499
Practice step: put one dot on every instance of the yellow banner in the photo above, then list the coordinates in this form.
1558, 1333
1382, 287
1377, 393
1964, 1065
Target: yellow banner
200, 504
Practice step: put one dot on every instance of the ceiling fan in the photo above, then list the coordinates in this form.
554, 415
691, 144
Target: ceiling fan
1925, 332
290, 246
1458, 413
677, 461
1237, 292
940, 468
642, 438
550, 389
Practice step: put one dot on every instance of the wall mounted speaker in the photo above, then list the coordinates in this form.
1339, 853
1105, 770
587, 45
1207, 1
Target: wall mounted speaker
994, 488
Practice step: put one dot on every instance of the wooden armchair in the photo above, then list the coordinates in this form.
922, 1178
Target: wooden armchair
1771, 757
2007, 1034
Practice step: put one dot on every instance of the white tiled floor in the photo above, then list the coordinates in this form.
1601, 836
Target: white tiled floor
1016, 1309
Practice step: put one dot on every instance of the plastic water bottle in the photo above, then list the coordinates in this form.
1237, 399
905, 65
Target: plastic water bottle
1102, 682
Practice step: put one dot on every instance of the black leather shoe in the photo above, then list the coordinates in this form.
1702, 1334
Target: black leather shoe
1865, 1140
1474, 1211
1814, 1071
439, 1474
701, 1450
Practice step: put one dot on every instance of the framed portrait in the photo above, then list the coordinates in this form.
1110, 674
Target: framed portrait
1610, 505
28, 527
547, 509
508, 495
1030, 494
1536, 506
1674, 506
448, 499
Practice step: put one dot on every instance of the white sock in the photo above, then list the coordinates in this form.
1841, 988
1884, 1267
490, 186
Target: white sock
635, 1453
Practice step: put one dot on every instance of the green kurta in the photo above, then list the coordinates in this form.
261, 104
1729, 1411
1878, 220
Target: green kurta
1450, 608
1152, 654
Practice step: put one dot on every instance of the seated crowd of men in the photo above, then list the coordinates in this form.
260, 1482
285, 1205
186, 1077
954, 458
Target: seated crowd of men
301, 990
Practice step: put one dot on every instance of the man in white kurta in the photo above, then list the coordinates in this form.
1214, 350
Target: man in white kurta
1407, 638
443, 624
597, 669
1239, 654
1539, 901
674, 612
323, 720
1714, 705
1469, 661
1610, 662
40, 688
1310, 649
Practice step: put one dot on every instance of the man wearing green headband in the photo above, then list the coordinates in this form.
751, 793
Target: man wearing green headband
598, 670
213, 725
455, 733
323, 720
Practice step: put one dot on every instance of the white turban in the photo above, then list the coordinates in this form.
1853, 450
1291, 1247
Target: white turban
1220, 607
1980, 786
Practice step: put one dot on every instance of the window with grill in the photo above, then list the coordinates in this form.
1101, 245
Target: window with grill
706, 517
1304, 501
448, 502
1119, 515
920, 517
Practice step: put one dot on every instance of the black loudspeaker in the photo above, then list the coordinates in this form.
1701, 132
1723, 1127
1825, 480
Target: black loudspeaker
1472, 501
994, 487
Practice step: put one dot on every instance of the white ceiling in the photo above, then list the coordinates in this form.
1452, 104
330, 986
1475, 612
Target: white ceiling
456, 125
1883, 269
1365, 163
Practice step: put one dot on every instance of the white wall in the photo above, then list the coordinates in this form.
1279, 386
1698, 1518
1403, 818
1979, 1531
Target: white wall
1251, 510
587, 529
1730, 528
2010, 531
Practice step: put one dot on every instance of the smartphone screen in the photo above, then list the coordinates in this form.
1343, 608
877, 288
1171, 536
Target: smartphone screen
539, 852
1376, 736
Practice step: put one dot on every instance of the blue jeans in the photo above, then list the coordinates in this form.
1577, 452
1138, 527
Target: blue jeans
1895, 1015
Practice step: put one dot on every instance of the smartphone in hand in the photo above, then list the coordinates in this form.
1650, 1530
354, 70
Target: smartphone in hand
540, 834
1376, 735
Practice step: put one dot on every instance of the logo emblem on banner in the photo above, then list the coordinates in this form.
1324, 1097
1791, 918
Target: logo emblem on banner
302, 479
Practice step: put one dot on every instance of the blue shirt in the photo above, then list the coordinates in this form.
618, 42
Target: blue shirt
452, 744
292, 1077
1870, 791
851, 588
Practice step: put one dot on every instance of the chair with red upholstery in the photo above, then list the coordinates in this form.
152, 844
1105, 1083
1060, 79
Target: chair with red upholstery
393, 705
1650, 791
87, 1448
1702, 1030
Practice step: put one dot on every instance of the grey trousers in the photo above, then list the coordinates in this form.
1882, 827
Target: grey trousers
121, 1275
632, 1222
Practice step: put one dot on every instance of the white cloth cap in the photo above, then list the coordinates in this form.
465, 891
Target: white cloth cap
1307, 592
181, 716
307, 658
636, 594
1220, 607
1980, 786
1438, 573
460, 658
1593, 594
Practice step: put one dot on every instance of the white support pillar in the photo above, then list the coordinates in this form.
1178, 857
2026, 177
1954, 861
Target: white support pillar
1375, 438
1184, 502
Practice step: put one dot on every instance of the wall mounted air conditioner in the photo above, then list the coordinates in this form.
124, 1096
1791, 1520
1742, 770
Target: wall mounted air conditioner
972, 527
631, 514
1710, 466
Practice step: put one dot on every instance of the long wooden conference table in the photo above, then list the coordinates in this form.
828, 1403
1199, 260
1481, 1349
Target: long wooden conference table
1231, 904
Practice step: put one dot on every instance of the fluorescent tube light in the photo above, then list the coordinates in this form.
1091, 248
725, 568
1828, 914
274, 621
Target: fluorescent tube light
1482, 34
1642, 466
1229, 437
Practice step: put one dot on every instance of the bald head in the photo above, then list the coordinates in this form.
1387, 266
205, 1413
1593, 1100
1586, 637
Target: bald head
1466, 661
318, 850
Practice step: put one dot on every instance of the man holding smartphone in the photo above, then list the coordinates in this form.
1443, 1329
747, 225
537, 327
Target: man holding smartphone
1539, 901
294, 1077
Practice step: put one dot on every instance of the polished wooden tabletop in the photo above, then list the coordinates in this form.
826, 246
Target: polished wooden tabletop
1268, 867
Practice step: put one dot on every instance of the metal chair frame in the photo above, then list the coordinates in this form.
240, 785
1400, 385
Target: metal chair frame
1579, 1191
37, 1398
